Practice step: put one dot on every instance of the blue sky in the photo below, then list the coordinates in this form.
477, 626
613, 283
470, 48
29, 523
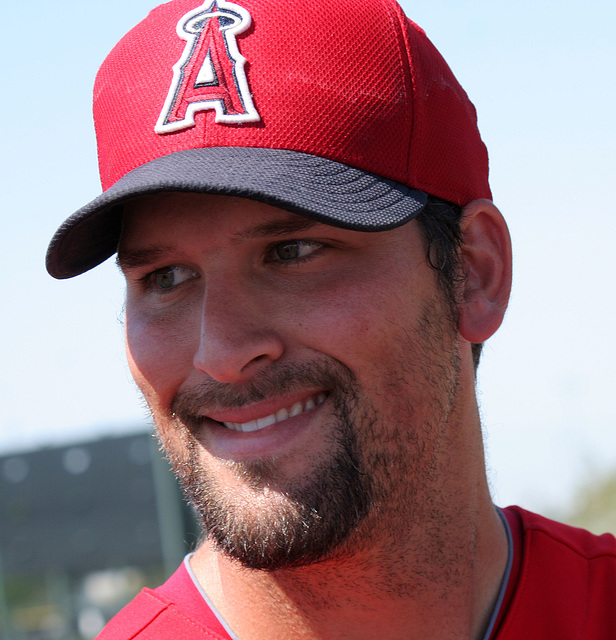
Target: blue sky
541, 75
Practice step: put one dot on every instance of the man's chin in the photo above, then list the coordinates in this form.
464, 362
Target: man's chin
268, 513
283, 535
264, 521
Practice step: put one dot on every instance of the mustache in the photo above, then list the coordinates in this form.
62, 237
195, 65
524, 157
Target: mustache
191, 405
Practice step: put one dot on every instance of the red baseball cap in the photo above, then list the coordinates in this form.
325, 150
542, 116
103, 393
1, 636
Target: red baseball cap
339, 110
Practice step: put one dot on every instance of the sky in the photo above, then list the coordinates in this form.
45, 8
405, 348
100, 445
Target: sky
541, 76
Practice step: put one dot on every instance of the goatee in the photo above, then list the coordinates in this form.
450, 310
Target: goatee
306, 519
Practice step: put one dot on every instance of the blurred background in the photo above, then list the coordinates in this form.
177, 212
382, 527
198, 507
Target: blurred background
88, 510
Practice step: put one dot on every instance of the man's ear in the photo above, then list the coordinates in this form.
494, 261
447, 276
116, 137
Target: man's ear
486, 256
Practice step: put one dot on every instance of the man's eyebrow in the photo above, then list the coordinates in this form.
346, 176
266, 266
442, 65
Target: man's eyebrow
280, 227
127, 260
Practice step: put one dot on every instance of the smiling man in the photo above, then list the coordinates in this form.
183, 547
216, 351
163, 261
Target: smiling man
298, 197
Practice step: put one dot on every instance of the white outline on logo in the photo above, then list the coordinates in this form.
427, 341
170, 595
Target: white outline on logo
188, 30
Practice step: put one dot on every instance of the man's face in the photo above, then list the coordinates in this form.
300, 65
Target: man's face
303, 378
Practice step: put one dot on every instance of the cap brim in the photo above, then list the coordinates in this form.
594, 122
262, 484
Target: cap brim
311, 186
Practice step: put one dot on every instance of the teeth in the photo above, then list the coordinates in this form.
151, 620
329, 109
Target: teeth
267, 421
279, 416
253, 425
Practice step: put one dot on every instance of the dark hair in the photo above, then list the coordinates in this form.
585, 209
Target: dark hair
439, 222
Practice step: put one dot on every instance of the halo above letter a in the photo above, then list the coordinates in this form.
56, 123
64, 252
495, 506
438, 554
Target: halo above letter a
210, 73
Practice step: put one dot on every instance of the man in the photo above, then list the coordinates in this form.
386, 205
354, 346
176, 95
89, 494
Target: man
298, 197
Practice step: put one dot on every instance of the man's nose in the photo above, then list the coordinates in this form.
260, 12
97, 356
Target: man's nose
237, 336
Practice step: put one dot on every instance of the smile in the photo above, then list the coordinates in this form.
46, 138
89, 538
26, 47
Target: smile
282, 414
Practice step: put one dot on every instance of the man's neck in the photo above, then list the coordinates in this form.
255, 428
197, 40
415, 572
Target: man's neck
443, 587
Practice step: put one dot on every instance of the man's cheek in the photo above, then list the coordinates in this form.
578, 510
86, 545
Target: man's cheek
157, 363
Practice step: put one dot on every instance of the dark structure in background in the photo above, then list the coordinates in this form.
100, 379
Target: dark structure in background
82, 529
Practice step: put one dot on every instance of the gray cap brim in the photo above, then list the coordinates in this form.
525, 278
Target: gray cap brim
314, 187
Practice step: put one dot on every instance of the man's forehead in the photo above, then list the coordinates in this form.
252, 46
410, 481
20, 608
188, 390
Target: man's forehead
240, 219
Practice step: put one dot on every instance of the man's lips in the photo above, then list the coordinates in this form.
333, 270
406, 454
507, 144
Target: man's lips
265, 414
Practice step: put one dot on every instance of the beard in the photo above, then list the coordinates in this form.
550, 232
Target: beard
374, 462
302, 520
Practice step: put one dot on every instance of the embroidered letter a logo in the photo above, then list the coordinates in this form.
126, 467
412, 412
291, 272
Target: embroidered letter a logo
210, 74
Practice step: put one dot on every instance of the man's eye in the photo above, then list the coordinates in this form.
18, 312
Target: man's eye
293, 250
170, 277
